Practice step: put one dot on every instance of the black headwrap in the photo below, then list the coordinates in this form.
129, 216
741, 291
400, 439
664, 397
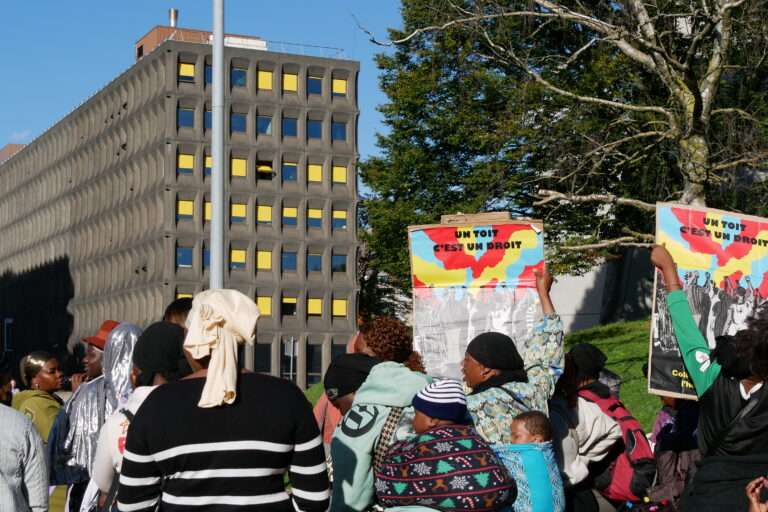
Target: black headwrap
726, 355
588, 360
159, 350
497, 351
347, 373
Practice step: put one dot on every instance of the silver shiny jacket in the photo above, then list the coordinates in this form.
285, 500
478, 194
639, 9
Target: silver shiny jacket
96, 400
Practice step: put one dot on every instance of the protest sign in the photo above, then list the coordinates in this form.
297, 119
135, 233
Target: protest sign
722, 263
469, 279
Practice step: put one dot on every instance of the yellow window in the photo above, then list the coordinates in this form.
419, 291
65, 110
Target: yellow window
339, 307
185, 161
239, 167
186, 71
315, 213
237, 256
339, 87
339, 174
290, 212
185, 208
238, 210
264, 213
265, 305
180, 295
290, 82
265, 80
340, 214
289, 300
264, 260
208, 210
209, 161
315, 307
315, 173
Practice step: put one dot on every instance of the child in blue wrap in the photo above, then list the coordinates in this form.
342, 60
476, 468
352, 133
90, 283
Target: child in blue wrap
530, 460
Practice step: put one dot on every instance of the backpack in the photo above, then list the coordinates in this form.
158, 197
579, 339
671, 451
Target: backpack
630, 476
61, 473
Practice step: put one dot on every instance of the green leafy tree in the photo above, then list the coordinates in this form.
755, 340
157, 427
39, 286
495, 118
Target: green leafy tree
583, 114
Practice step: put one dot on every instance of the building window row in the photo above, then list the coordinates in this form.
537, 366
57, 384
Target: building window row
238, 168
238, 124
263, 259
238, 78
238, 214
289, 302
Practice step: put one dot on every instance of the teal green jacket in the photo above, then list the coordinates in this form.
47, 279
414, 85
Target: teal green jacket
388, 385
693, 346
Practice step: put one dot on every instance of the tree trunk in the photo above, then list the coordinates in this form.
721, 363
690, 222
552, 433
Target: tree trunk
694, 164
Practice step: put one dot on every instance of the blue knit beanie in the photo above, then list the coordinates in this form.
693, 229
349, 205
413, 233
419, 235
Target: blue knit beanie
444, 400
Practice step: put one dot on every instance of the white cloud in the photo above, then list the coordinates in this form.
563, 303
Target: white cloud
20, 136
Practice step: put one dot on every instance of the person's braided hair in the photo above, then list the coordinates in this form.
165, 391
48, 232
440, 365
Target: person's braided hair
392, 340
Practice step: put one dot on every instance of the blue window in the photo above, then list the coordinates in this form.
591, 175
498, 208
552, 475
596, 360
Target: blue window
315, 85
289, 172
237, 122
289, 261
339, 263
314, 129
263, 362
314, 263
208, 165
290, 127
206, 257
339, 131
264, 125
238, 77
208, 73
208, 120
183, 257
185, 117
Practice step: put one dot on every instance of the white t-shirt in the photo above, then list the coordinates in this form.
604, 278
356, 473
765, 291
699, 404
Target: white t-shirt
111, 445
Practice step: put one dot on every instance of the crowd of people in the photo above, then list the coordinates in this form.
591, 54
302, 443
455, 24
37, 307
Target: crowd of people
165, 418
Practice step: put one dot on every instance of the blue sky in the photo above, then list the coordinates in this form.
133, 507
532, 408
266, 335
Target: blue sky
57, 53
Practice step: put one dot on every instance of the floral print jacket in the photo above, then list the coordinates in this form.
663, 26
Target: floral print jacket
492, 410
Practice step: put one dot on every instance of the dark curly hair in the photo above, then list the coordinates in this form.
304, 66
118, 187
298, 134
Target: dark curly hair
392, 340
751, 345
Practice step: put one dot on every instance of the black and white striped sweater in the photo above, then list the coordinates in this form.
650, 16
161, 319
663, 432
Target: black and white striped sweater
183, 457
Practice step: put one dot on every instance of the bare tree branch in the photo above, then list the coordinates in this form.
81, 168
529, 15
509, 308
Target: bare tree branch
568, 94
548, 196
624, 241
739, 112
754, 159
578, 52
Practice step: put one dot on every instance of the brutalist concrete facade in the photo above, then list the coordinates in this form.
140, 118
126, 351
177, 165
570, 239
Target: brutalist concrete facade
119, 188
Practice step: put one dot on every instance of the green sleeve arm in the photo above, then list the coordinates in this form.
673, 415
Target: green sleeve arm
693, 347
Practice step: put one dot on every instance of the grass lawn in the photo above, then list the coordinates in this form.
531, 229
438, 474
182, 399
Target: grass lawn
626, 345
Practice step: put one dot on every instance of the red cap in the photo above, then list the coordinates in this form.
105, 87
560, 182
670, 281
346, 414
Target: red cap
100, 339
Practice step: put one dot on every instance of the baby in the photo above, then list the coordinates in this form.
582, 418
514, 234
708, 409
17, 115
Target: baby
531, 427
530, 460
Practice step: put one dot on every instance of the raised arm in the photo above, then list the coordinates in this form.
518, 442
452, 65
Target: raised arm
693, 345
543, 354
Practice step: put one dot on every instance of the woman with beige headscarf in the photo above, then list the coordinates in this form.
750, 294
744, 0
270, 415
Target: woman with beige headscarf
221, 437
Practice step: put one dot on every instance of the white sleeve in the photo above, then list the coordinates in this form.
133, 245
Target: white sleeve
597, 432
103, 466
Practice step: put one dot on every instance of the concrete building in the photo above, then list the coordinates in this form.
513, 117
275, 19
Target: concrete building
111, 204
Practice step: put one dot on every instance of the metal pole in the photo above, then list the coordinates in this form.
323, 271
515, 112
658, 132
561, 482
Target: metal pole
217, 150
